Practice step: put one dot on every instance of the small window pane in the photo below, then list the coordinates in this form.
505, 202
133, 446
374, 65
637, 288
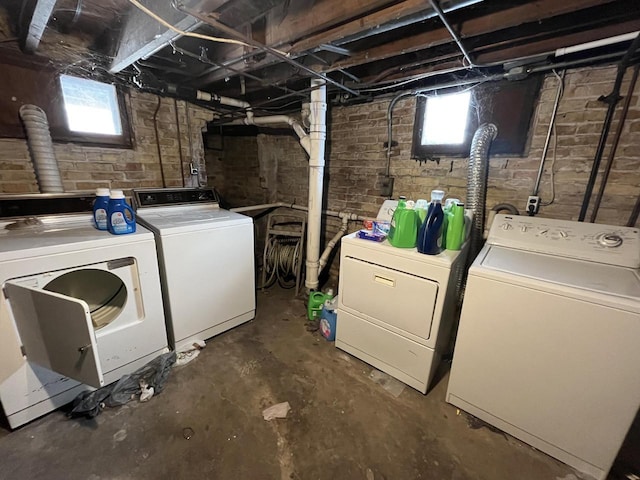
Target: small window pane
91, 107
445, 119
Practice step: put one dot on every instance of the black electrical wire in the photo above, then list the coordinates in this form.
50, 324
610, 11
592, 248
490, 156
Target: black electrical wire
155, 128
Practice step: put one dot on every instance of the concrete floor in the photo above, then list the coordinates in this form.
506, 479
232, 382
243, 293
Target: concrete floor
342, 425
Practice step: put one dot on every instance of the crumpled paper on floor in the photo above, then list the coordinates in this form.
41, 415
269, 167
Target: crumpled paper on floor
278, 410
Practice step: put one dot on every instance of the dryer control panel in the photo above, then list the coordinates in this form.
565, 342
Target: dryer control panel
608, 244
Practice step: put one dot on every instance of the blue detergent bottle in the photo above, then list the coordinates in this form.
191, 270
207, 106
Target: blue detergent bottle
100, 206
430, 233
121, 218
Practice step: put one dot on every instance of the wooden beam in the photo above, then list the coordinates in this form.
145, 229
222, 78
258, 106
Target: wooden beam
34, 23
530, 12
376, 20
510, 17
552, 44
282, 28
322, 15
143, 36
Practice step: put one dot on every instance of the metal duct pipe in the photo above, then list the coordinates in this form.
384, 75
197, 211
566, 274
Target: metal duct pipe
477, 182
43, 157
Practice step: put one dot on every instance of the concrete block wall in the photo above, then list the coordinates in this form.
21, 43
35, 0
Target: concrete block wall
85, 167
356, 158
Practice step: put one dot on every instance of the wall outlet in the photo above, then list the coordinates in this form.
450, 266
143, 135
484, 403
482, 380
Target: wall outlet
533, 205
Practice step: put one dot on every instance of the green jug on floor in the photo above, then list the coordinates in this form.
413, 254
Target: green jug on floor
404, 225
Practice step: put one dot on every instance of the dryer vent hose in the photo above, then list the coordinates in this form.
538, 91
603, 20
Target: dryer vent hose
43, 157
477, 183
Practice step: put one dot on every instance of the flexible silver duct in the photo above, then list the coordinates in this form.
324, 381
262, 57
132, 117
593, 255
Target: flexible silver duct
43, 157
477, 183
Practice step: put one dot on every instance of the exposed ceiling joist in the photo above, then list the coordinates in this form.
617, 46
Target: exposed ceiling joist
390, 18
532, 48
143, 36
298, 24
36, 14
511, 17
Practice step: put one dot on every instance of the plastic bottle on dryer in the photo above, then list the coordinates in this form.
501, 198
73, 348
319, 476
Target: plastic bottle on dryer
455, 227
430, 233
404, 225
100, 206
121, 218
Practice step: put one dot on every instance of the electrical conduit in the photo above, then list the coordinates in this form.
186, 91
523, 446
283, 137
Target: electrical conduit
43, 157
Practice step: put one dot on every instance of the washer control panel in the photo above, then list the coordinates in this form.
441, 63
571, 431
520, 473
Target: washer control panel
587, 241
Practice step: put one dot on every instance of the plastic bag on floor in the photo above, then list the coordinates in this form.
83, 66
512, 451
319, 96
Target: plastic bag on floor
154, 374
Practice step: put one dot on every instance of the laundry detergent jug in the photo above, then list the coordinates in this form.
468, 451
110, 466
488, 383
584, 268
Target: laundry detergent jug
100, 206
121, 218
430, 233
404, 225
455, 227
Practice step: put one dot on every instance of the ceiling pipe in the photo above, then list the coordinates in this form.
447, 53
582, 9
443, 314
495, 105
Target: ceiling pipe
278, 120
596, 44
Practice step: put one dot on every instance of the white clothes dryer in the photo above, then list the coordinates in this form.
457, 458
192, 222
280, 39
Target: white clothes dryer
547, 348
396, 307
79, 307
206, 257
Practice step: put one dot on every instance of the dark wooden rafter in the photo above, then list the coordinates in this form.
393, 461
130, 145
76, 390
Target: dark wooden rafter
35, 15
282, 32
510, 17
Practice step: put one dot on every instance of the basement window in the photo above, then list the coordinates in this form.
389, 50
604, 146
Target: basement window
445, 122
445, 119
90, 106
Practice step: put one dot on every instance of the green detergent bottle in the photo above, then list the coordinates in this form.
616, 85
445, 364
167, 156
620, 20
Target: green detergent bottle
316, 300
404, 225
455, 227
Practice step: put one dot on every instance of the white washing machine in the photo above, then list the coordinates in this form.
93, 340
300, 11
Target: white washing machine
396, 307
79, 307
547, 348
206, 258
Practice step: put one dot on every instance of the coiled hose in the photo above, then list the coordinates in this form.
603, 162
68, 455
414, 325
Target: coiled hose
43, 157
282, 257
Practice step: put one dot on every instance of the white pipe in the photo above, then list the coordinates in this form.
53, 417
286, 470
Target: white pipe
324, 258
293, 206
596, 43
275, 120
43, 157
345, 216
228, 101
317, 135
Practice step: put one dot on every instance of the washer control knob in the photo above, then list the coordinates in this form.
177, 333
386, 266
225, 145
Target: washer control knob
610, 240
523, 228
562, 234
506, 226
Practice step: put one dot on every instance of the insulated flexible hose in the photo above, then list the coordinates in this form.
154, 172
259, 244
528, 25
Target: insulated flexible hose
43, 157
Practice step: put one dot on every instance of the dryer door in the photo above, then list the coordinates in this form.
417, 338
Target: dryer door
56, 332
